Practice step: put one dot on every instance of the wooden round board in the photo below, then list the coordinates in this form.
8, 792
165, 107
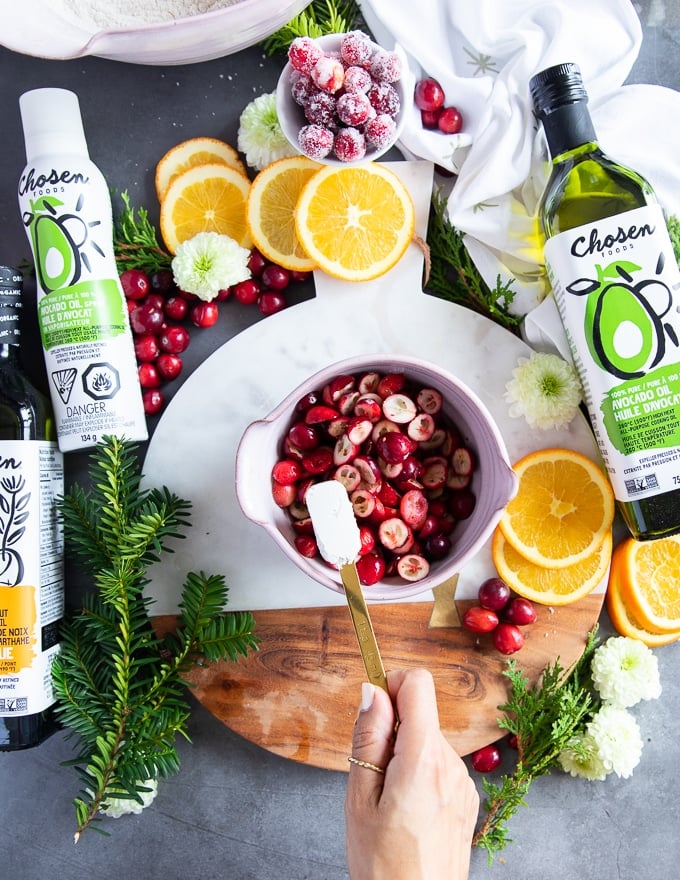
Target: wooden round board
298, 695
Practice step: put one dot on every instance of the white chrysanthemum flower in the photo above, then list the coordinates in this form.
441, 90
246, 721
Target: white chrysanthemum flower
545, 389
209, 262
625, 671
260, 137
122, 806
584, 761
618, 739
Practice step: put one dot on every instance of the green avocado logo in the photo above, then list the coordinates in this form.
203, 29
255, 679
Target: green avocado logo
626, 320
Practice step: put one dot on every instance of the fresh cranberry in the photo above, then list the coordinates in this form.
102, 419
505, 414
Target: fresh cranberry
370, 568
169, 365
306, 546
303, 436
449, 120
275, 277
246, 292
508, 638
494, 594
204, 314
271, 301
155, 301
520, 612
428, 118
298, 275
480, 620
176, 308
162, 281
146, 347
462, 503
428, 95
256, 263
438, 545
153, 401
174, 340
287, 471
135, 283
487, 759
223, 294
146, 319
149, 377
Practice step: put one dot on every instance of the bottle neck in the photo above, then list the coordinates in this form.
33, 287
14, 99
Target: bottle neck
567, 128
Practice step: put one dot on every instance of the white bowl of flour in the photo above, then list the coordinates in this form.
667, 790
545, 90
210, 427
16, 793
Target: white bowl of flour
163, 32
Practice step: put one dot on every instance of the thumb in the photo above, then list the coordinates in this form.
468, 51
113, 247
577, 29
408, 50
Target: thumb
372, 742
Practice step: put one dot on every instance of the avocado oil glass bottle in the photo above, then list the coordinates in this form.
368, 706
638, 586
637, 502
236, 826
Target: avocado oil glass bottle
616, 283
31, 540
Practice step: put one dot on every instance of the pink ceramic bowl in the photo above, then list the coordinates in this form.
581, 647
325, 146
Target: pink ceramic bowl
494, 483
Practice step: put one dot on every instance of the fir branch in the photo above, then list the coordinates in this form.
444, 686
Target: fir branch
544, 717
135, 240
319, 18
119, 688
453, 275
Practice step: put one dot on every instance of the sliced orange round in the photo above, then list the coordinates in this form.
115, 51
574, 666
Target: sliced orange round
270, 211
623, 617
563, 509
207, 198
649, 579
550, 586
355, 222
193, 152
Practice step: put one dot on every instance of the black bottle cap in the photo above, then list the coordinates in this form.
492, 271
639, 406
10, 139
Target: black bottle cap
555, 87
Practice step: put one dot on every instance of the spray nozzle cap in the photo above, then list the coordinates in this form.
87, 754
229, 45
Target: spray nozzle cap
52, 123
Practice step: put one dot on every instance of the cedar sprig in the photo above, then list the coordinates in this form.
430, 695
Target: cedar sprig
119, 687
319, 18
453, 275
135, 240
544, 717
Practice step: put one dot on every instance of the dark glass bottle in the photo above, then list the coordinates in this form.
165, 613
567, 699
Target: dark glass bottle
616, 281
31, 542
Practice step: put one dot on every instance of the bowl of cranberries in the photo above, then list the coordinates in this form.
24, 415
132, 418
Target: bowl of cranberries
342, 99
420, 456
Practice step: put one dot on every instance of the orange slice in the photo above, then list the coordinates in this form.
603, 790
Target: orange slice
207, 198
189, 154
550, 586
563, 509
270, 211
355, 222
649, 581
624, 619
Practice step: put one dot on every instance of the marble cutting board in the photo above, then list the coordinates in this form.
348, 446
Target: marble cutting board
193, 448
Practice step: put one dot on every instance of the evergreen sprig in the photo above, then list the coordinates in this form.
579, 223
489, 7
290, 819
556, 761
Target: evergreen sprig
119, 687
453, 275
319, 18
135, 240
544, 718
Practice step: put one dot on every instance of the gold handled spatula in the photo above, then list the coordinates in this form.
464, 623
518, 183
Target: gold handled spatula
337, 535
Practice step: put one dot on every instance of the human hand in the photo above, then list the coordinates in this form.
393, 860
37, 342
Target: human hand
415, 821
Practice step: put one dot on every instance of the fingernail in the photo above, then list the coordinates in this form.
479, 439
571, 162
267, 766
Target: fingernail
367, 694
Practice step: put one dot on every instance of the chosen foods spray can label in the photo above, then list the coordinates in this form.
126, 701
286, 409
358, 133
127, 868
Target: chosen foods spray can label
66, 209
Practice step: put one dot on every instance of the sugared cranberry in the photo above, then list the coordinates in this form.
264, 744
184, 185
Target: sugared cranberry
353, 108
328, 74
384, 98
315, 141
320, 109
380, 130
386, 67
303, 53
356, 48
349, 145
357, 79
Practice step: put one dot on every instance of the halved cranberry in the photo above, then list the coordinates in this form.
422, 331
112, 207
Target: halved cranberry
318, 460
413, 508
283, 493
413, 567
306, 546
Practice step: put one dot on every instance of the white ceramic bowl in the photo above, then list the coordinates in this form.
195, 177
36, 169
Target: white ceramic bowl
36, 27
494, 482
292, 117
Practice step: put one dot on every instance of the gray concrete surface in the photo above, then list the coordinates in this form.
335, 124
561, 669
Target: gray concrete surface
236, 812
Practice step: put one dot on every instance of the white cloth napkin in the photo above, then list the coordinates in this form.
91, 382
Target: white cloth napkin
484, 53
